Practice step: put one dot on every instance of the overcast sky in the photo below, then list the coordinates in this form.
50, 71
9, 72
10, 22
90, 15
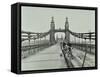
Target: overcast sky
37, 19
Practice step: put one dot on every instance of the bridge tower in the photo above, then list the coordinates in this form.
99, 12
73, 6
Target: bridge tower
67, 34
52, 31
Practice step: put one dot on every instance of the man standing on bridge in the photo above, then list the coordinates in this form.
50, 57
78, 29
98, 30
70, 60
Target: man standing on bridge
67, 49
64, 47
70, 50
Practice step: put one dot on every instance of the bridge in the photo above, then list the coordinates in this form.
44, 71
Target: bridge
42, 53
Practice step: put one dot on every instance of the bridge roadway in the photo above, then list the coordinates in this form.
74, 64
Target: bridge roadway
50, 58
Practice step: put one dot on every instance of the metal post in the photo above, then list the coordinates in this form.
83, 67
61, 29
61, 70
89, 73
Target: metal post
45, 37
75, 40
79, 43
38, 42
90, 41
85, 54
82, 44
29, 42
34, 44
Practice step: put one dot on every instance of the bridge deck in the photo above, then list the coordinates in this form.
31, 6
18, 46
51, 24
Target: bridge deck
49, 58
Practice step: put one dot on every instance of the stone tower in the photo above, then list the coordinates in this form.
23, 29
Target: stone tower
52, 31
67, 34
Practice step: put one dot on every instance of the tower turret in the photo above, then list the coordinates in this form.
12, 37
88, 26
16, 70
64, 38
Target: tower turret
52, 23
66, 24
52, 31
67, 34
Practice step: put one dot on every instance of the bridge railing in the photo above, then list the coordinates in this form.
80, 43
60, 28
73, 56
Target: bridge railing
89, 48
33, 49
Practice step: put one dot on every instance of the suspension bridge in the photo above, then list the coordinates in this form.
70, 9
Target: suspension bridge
41, 53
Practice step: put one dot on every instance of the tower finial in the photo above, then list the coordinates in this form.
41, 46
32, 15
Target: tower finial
52, 19
66, 19
66, 24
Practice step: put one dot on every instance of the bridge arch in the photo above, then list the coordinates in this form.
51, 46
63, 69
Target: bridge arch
59, 36
53, 31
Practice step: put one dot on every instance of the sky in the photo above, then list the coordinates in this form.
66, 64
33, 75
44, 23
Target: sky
38, 19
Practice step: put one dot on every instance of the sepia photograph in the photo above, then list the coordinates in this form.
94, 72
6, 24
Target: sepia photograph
57, 38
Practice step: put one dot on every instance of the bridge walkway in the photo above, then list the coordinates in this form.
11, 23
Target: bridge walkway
77, 61
48, 58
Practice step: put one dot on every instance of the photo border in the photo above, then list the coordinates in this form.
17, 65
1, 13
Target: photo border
19, 71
